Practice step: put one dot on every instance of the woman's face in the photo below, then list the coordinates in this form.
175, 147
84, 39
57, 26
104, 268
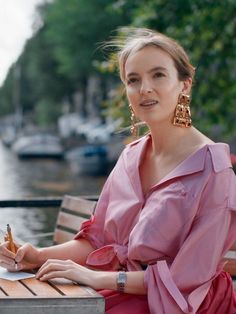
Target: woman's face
152, 85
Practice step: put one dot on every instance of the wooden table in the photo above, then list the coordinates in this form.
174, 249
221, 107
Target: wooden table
31, 296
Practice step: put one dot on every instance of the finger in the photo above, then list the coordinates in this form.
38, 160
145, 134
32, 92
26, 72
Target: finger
49, 268
7, 260
55, 261
48, 262
55, 274
21, 252
4, 251
6, 256
9, 267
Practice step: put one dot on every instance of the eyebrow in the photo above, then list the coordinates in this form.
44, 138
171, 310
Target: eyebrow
149, 71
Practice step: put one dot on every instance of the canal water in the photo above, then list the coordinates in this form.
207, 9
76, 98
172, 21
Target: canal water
35, 177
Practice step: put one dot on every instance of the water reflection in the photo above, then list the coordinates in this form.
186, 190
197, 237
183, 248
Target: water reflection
27, 178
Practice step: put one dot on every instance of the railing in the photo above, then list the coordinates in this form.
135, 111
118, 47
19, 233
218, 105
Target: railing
39, 201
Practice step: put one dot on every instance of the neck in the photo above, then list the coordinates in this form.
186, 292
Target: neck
168, 139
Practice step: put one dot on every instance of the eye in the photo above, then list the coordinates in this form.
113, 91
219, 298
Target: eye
159, 74
132, 80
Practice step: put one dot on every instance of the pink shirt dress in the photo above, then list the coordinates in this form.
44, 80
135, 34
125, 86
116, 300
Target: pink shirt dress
178, 233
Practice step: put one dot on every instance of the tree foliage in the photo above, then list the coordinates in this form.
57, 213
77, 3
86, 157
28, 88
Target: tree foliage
62, 56
58, 60
206, 29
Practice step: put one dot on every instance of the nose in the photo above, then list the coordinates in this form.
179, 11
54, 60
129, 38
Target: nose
146, 87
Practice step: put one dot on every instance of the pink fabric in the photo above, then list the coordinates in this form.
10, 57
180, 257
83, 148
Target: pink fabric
180, 230
119, 303
221, 289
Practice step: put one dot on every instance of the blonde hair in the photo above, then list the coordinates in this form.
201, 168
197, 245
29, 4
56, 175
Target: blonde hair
135, 39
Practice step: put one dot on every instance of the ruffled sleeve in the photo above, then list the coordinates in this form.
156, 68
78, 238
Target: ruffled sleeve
93, 229
181, 286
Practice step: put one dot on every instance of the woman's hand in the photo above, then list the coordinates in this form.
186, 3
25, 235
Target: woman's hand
68, 269
7, 258
26, 257
55, 268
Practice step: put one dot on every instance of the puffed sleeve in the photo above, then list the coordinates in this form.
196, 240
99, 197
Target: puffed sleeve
180, 287
93, 229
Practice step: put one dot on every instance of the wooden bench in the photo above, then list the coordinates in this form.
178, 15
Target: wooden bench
230, 258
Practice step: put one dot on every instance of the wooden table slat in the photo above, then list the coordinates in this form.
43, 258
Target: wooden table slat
40, 288
69, 289
73, 299
2, 294
15, 289
74, 290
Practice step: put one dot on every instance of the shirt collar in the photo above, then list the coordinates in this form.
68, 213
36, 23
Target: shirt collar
219, 153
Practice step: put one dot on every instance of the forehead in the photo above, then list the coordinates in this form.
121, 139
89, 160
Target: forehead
147, 58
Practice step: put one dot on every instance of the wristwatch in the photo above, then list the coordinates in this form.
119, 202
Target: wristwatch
121, 281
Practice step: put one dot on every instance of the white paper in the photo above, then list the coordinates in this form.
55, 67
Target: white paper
13, 276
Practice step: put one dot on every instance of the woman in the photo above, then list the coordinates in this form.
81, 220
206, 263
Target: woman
166, 215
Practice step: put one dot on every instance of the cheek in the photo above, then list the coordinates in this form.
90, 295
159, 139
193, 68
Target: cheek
131, 93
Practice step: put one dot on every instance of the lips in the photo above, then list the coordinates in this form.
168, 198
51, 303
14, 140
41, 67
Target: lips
148, 103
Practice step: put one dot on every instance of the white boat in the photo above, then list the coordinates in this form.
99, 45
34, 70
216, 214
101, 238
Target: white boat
38, 145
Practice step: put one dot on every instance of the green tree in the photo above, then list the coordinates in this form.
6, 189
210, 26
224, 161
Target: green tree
206, 29
61, 57
75, 30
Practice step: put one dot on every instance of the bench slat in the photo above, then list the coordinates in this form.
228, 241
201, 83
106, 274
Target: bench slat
230, 267
78, 204
74, 211
70, 221
62, 236
233, 247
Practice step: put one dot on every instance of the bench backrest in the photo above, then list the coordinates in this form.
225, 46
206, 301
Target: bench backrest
230, 258
73, 211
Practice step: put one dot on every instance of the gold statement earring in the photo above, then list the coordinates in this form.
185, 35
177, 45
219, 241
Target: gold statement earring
182, 115
134, 127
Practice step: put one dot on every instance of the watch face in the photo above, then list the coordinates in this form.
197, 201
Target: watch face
122, 277
121, 281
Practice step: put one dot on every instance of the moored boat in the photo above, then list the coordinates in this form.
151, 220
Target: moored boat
38, 146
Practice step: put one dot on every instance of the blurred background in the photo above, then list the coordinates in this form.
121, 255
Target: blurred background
61, 100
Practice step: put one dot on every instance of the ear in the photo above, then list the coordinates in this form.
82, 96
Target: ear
187, 86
